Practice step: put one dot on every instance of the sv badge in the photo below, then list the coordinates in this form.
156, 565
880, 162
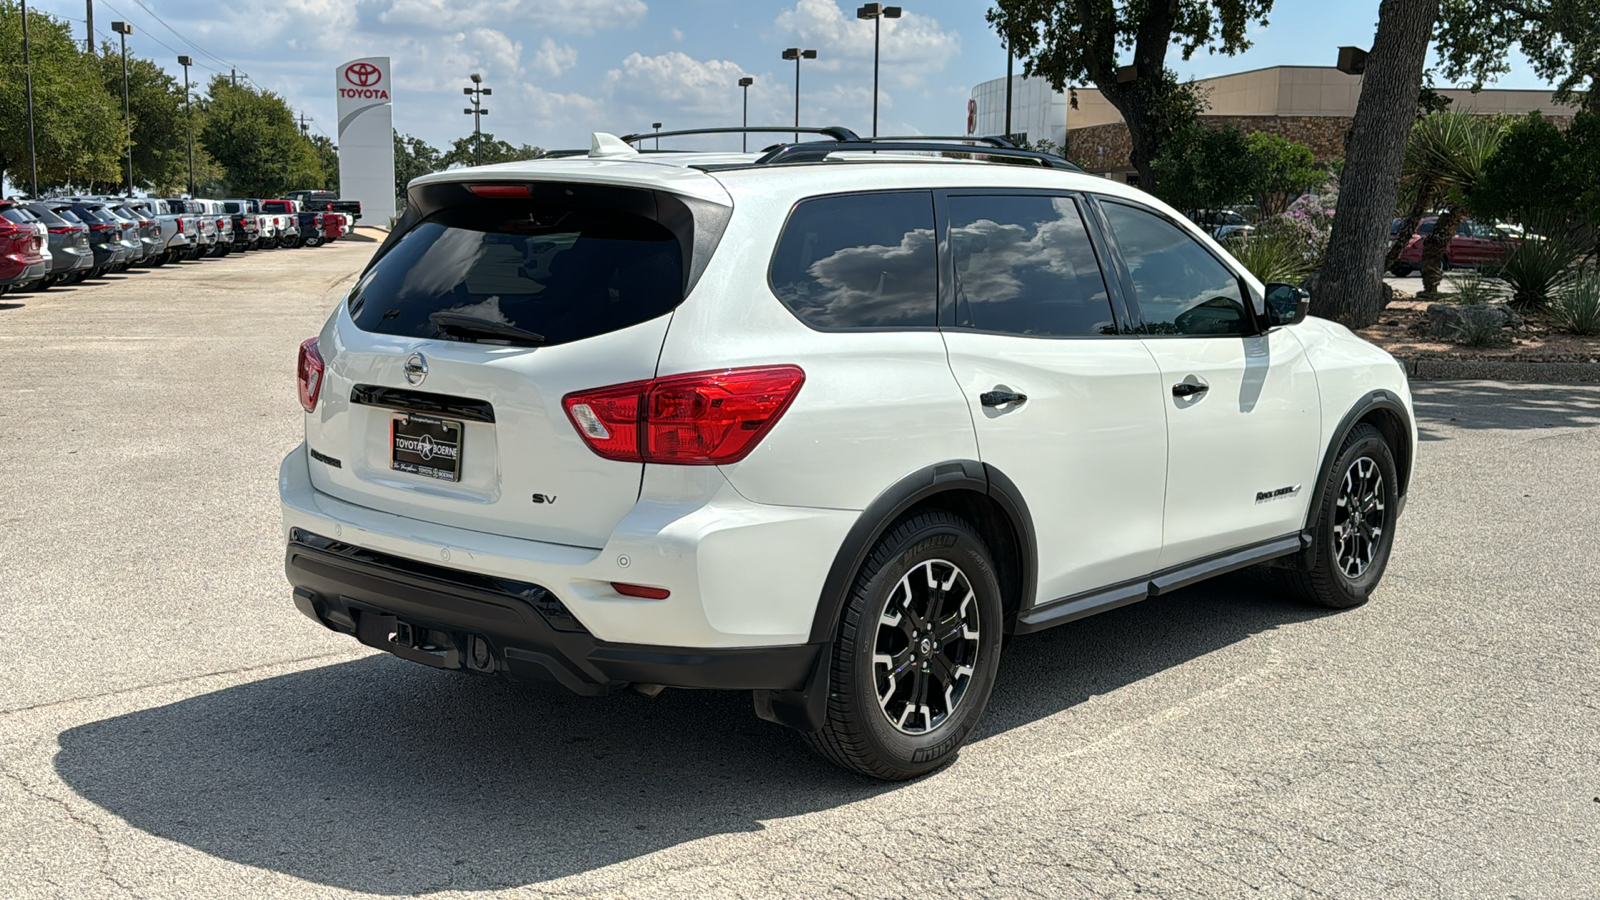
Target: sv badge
544, 498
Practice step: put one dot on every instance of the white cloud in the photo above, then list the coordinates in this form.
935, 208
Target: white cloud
912, 47
574, 16
553, 58
677, 34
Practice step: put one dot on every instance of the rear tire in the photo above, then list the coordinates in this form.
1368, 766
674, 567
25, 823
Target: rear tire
1353, 531
916, 653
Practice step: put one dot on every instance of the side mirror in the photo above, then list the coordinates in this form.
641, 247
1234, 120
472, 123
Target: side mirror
1286, 304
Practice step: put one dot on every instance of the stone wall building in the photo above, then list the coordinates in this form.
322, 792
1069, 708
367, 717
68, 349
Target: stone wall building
1311, 105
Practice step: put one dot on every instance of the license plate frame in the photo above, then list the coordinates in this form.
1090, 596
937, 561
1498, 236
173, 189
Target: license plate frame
426, 446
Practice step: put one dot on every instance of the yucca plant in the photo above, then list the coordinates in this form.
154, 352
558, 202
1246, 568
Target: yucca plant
1473, 288
1272, 256
1539, 267
1576, 306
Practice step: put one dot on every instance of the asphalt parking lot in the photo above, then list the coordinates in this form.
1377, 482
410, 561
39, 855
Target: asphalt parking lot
170, 726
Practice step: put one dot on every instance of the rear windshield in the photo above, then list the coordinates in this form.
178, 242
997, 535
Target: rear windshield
233, 207
20, 216
69, 215
46, 216
563, 274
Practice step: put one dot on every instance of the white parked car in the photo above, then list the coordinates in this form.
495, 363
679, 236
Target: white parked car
823, 425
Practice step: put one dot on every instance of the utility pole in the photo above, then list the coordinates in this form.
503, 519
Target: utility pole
27, 68
188, 115
88, 42
123, 29
477, 92
796, 54
233, 74
1008, 90
305, 130
744, 139
877, 12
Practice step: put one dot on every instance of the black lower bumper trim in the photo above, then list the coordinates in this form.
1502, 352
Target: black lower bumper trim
438, 616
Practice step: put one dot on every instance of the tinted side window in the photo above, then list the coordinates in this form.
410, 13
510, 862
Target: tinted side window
1180, 286
859, 261
1024, 265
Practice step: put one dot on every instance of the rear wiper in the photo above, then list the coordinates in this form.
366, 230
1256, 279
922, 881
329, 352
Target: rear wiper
463, 325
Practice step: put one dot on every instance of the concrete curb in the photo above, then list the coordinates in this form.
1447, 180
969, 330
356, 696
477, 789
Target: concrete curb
1425, 369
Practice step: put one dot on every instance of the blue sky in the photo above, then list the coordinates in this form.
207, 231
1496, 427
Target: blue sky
563, 68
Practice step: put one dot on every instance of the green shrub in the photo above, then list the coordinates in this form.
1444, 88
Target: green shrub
1481, 331
1272, 256
1472, 288
1576, 307
1538, 267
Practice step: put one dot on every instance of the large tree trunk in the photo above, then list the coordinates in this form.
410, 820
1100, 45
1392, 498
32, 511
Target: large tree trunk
1434, 248
1350, 286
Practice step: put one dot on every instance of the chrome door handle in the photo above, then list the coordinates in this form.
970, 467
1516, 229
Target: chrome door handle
1190, 388
1001, 398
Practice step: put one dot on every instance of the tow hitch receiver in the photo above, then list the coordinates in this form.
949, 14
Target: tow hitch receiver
418, 643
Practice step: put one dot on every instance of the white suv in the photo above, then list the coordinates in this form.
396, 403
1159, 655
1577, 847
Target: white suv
823, 424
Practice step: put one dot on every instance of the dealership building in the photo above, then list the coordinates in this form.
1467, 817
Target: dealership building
1311, 105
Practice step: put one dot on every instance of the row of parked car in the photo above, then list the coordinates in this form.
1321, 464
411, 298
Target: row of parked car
64, 240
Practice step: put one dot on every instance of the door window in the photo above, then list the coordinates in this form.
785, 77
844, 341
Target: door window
859, 261
1024, 265
1180, 286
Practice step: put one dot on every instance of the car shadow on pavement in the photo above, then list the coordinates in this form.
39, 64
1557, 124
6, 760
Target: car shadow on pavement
382, 776
1502, 405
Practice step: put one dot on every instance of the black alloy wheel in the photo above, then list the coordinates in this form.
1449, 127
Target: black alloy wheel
1353, 528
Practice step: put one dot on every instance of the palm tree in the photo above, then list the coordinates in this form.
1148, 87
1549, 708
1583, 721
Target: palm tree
1449, 152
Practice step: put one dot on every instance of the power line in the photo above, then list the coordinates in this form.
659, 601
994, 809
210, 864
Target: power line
203, 51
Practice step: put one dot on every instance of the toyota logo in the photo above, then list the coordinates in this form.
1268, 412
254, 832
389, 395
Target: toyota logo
425, 447
416, 368
363, 74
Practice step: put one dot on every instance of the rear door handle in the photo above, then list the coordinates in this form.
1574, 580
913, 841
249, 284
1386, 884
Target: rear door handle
1190, 388
1001, 398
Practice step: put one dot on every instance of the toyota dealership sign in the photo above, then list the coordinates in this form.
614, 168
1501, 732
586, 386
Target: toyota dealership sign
366, 136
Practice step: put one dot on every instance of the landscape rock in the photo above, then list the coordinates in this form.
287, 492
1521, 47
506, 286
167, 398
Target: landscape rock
1450, 321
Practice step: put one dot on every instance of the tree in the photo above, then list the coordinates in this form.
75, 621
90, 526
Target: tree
1446, 156
482, 149
1281, 170
252, 135
1350, 286
1560, 38
1539, 172
1202, 168
1078, 41
413, 158
328, 159
155, 104
76, 125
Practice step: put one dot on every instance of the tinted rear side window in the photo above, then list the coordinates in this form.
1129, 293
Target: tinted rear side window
19, 216
566, 274
1024, 265
859, 261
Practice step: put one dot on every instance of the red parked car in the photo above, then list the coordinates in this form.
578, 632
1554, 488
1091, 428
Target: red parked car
1474, 244
22, 247
332, 226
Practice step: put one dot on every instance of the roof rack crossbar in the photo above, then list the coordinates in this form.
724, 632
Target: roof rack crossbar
837, 132
992, 140
818, 151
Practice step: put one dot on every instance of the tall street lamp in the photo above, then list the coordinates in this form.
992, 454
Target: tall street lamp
796, 54
744, 139
27, 68
124, 29
877, 12
188, 115
477, 92
657, 127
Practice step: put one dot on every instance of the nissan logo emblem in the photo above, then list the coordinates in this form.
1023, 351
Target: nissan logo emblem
363, 74
416, 368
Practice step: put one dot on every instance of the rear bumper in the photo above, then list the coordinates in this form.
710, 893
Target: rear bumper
451, 619
29, 273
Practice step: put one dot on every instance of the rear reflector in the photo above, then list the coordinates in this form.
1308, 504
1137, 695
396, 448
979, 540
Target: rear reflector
518, 191
308, 372
639, 590
698, 419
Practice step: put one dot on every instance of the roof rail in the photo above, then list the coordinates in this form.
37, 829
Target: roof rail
818, 151
992, 140
837, 132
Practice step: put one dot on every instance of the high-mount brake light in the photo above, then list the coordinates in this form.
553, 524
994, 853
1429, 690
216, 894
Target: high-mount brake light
698, 419
501, 191
308, 372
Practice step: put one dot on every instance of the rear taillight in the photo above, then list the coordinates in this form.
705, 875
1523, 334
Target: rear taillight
703, 418
309, 374
62, 229
180, 226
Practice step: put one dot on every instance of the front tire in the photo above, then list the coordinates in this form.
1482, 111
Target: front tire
916, 653
1354, 527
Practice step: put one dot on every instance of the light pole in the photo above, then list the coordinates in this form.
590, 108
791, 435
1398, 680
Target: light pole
1009, 59
27, 69
188, 115
744, 139
123, 29
796, 54
657, 127
477, 92
877, 12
